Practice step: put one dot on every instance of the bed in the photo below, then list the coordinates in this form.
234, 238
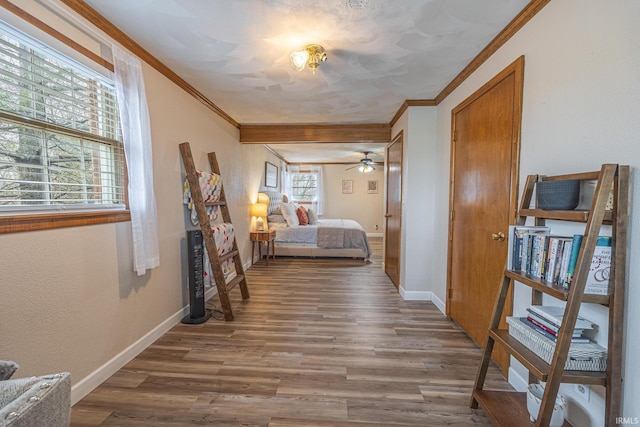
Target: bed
341, 238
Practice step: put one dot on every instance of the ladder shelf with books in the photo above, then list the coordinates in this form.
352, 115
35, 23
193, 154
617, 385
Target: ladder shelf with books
510, 408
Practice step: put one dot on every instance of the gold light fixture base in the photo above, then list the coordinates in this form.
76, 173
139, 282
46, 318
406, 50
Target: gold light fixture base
311, 56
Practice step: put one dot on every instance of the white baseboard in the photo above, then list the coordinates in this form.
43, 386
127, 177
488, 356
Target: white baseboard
414, 295
439, 303
519, 383
97, 377
423, 296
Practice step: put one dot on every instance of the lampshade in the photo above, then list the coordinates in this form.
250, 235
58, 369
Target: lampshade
366, 168
299, 59
259, 209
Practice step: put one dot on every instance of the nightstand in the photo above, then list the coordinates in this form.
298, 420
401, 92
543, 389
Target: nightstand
268, 236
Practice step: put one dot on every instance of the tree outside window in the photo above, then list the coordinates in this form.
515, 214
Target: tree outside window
304, 187
58, 130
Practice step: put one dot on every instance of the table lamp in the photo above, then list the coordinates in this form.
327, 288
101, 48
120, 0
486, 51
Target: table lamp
259, 210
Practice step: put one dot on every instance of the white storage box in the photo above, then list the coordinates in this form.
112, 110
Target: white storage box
582, 356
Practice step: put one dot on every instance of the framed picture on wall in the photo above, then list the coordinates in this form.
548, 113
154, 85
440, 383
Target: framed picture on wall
347, 186
270, 175
372, 186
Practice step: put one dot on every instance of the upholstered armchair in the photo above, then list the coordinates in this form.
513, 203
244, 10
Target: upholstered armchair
43, 401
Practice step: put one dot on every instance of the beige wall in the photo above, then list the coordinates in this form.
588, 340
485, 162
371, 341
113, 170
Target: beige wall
69, 299
367, 209
419, 187
580, 109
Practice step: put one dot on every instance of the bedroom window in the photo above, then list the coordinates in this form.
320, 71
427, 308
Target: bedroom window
304, 187
60, 147
304, 184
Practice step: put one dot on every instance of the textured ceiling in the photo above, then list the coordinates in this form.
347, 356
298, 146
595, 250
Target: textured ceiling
380, 52
330, 153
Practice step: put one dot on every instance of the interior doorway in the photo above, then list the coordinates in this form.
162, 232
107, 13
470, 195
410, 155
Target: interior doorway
393, 212
483, 200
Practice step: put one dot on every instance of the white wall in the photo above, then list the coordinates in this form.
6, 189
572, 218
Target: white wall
367, 209
581, 108
419, 188
69, 299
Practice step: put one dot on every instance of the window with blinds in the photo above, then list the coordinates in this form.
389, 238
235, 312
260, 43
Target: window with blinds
59, 131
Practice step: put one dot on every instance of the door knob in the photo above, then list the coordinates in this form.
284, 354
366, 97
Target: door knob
498, 236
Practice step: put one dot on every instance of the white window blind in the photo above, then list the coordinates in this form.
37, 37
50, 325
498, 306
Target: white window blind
59, 132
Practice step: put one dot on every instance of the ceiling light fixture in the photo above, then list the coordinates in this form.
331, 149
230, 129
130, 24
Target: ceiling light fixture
312, 56
366, 168
366, 164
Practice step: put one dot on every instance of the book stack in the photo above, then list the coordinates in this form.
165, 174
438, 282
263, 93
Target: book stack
546, 320
535, 252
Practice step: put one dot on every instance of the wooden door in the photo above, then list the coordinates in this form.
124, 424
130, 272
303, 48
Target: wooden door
484, 176
393, 215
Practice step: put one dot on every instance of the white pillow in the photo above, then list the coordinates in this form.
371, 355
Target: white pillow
276, 218
313, 217
289, 213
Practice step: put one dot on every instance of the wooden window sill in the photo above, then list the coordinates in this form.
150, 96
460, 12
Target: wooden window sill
20, 223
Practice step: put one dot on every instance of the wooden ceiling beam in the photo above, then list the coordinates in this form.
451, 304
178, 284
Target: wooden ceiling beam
291, 134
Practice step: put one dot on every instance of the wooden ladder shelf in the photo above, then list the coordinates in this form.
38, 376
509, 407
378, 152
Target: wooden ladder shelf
510, 408
207, 235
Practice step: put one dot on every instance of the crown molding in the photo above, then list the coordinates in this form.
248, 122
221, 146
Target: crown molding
503, 36
292, 133
509, 31
411, 103
90, 14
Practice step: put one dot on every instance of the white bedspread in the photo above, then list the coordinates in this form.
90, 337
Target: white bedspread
327, 233
298, 234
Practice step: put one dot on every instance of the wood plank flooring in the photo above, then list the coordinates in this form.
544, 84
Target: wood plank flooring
321, 343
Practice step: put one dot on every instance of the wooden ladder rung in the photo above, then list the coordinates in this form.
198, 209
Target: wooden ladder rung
235, 281
203, 218
228, 255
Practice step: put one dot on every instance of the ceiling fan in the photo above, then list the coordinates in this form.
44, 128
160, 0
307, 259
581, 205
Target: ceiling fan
366, 164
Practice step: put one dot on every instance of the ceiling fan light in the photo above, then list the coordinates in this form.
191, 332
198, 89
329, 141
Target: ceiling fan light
366, 168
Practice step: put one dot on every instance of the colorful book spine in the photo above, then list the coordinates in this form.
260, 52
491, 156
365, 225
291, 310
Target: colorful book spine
564, 264
573, 260
552, 255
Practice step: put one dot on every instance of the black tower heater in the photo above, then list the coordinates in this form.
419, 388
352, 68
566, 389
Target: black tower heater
195, 252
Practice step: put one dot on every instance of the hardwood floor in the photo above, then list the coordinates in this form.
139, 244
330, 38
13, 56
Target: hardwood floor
321, 343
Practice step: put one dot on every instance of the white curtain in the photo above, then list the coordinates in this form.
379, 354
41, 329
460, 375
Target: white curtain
287, 181
136, 133
285, 186
318, 203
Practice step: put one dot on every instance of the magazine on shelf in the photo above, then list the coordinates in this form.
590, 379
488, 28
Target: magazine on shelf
554, 314
554, 338
553, 330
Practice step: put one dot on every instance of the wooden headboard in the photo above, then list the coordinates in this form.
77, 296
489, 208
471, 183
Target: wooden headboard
273, 200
